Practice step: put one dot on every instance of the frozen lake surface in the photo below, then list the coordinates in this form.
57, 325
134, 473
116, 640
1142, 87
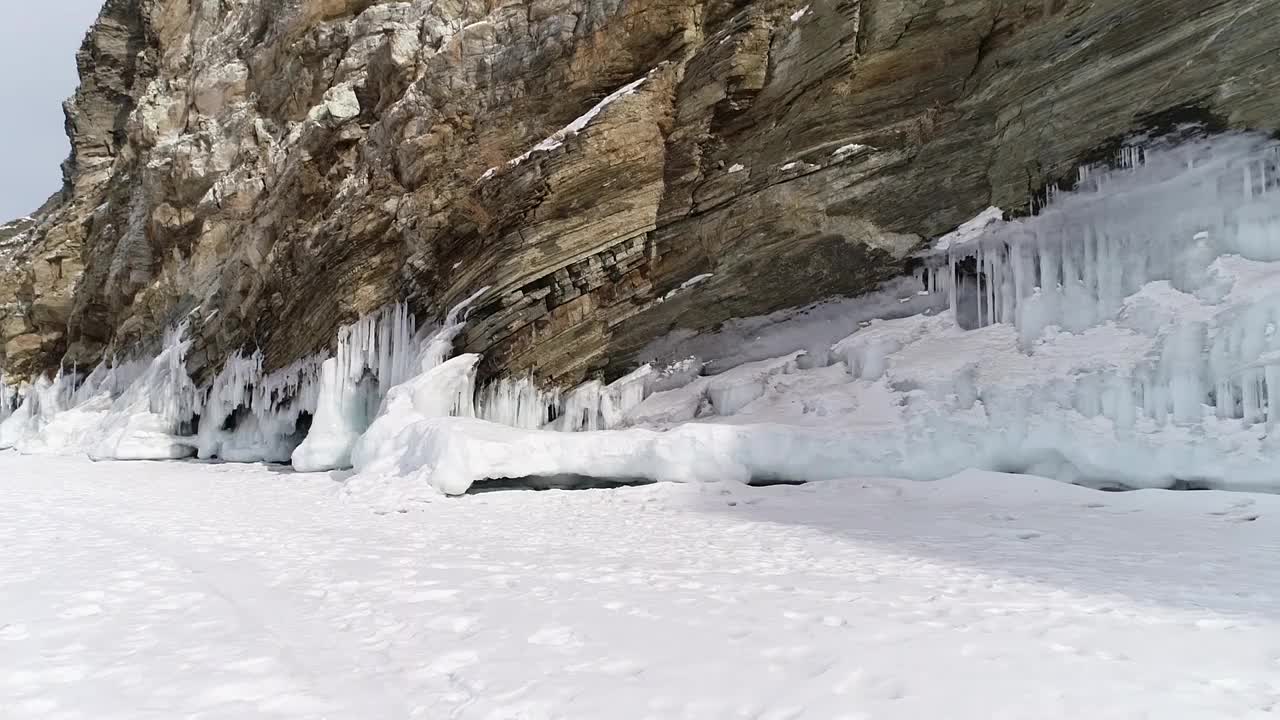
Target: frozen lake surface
163, 590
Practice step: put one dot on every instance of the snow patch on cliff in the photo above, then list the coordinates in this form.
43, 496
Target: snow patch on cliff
557, 138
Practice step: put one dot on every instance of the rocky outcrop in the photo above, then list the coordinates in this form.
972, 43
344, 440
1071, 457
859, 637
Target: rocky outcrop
267, 170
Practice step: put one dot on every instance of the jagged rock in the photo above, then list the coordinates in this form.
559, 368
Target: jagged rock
271, 170
341, 103
22, 351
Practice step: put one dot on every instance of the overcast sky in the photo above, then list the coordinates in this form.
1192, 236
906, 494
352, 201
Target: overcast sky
38, 43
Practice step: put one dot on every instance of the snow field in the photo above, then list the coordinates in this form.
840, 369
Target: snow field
228, 591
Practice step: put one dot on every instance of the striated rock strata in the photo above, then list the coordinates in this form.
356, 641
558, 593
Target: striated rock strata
271, 169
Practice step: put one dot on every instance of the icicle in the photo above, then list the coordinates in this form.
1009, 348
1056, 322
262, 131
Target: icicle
1272, 376
982, 321
595, 406
375, 354
10, 395
518, 403
952, 282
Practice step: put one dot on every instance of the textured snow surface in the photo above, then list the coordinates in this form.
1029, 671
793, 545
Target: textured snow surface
233, 592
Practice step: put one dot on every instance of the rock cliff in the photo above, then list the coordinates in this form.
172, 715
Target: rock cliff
271, 169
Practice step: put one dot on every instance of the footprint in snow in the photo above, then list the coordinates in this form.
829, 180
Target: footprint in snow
862, 684
459, 624
555, 637
420, 596
81, 611
450, 663
622, 668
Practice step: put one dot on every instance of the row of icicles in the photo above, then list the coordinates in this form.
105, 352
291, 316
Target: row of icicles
1165, 214
246, 414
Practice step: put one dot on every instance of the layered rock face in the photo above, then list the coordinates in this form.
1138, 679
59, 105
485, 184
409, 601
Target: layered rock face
267, 170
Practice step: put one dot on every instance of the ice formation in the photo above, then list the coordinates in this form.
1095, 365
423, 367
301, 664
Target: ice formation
145, 421
130, 411
1177, 246
518, 402
1126, 333
375, 355
442, 390
9, 398
249, 416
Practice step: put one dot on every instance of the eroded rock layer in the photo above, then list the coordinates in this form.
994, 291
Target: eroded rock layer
271, 169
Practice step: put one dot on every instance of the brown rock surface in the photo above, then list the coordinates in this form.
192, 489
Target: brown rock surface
270, 169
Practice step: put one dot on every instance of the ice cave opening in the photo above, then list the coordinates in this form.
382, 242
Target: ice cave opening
555, 482
1125, 335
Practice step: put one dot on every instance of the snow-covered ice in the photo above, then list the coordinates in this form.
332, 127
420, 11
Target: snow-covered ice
218, 591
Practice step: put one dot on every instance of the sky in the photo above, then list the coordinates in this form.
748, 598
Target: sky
38, 43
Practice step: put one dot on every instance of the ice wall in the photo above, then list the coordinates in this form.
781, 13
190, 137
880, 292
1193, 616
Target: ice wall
311, 413
145, 421
519, 402
1177, 244
249, 416
133, 410
375, 355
